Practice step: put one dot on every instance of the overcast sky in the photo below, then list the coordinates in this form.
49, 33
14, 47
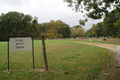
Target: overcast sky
46, 10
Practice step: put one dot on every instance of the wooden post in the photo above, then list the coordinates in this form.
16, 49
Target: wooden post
8, 54
33, 51
44, 53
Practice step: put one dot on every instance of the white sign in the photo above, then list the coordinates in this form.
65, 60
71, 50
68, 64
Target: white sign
20, 44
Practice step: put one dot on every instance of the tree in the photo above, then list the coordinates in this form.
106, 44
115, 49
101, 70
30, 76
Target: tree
99, 29
89, 33
55, 29
95, 9
77, 26
93, 30
117, 25
43, 28
96, 30
52, 29
80, 31
10, 23
35, 28
73, 32
2, 29
108, 24
64, 29
15, 23
26, 26
77, 31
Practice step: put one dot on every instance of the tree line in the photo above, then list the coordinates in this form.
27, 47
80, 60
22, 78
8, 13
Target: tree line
18, 23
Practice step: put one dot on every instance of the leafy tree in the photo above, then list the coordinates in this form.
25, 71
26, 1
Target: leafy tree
64, 29
80, 31
77, 31
108, 24
43, 28
99, 29
77, 26
89, 33
35, 28
73, 32
2, 29
11, 23
26, 27
96, 30
52, 29
15, 23
117, 25
55, 29
95, 9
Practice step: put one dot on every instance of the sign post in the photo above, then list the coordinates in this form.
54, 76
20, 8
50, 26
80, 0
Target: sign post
44, 54
20, 42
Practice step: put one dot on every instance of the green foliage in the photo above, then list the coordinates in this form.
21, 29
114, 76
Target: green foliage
80, 32
117, 24
95, 8
77, 26
55, 29
82, 22
77, 31
108, 24
73, 32
16, 23
88, 33
96, 30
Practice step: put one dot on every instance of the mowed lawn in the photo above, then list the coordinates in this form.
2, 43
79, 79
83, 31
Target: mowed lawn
67, 60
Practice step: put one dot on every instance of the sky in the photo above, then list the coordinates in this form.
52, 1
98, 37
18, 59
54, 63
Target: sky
46, 10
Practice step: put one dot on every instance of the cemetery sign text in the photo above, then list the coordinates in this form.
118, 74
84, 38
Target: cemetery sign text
20, 44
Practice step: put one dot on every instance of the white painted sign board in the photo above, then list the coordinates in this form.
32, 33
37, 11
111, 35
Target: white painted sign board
20, 44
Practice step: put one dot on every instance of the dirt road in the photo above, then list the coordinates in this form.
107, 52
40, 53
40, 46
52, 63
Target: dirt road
114, 48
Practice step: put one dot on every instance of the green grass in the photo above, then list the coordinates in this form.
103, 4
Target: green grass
67, 60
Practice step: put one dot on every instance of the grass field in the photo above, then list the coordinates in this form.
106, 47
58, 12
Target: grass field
67, 60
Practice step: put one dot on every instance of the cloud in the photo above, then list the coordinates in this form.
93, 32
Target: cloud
45, 10
57, 10
14, 2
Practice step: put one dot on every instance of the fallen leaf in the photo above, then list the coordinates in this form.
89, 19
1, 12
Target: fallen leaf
65, 72
106, 74
79, 68
118, 66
